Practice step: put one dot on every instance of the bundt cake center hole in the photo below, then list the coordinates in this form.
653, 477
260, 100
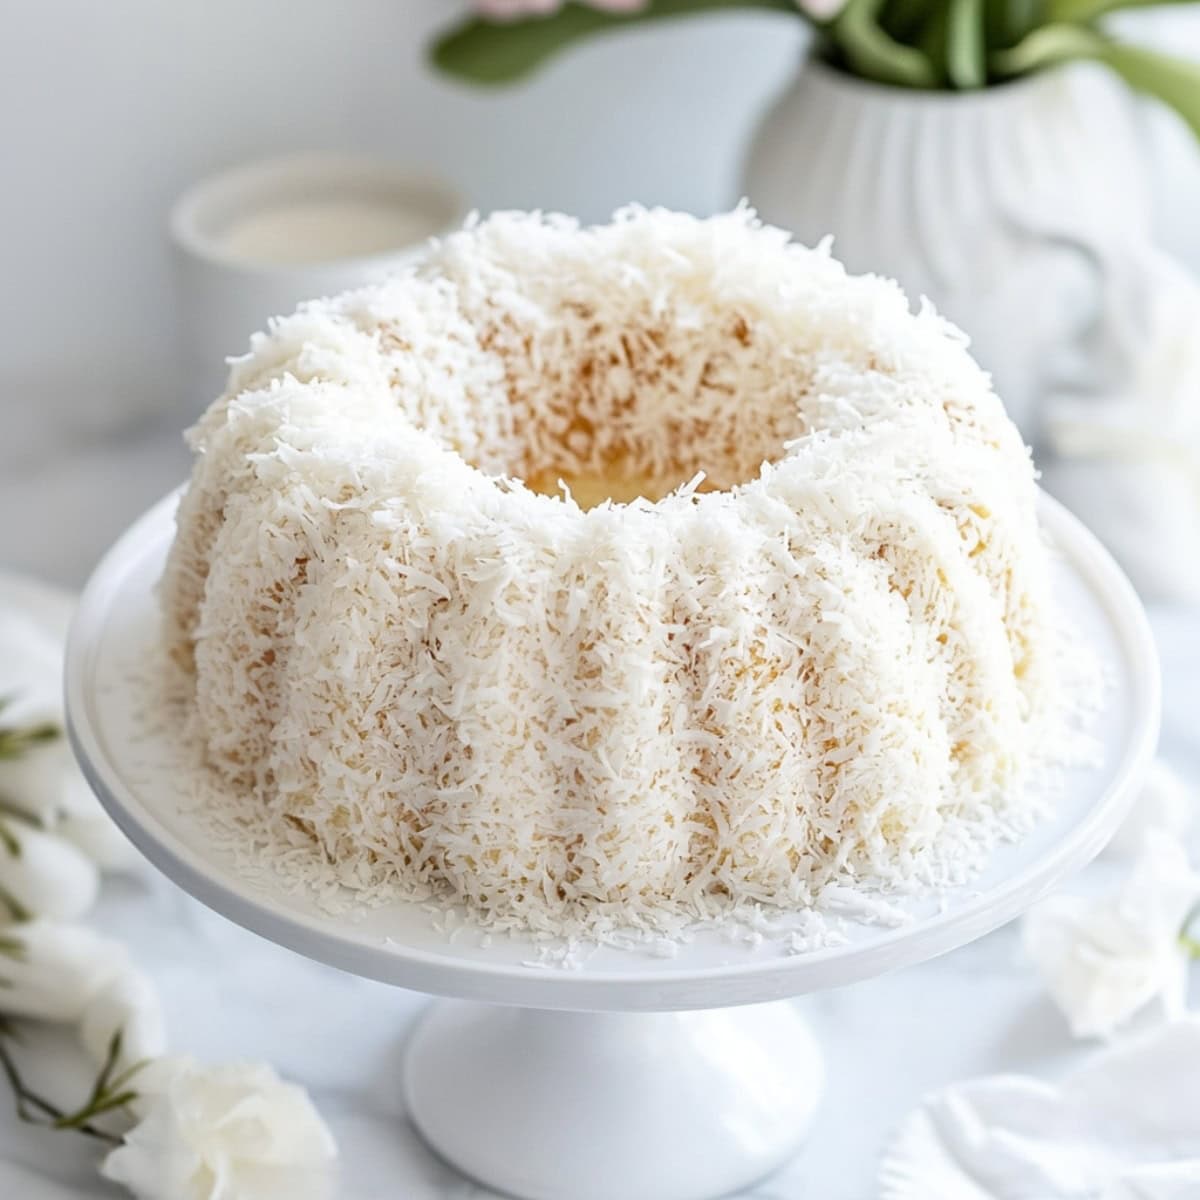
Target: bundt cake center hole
589, 491
641, 411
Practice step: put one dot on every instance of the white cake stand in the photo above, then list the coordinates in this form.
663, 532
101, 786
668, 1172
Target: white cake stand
633, 1075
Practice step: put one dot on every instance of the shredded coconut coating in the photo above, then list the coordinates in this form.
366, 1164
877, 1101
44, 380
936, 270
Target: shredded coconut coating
445, 683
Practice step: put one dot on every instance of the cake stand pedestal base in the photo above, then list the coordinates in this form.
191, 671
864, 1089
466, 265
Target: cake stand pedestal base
613, 1106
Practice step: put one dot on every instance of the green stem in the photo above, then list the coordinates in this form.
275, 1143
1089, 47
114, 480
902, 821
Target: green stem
83, 1118
1008, 21
8, 840
931, 40
903, 19
1173, 81
966, 55
16, 813
1082, 11
873, 53
14, 742
29, 1104
21, 1094
1045, 47
12, 947
17, 911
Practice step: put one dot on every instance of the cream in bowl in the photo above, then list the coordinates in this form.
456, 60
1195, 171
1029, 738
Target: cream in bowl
254, 241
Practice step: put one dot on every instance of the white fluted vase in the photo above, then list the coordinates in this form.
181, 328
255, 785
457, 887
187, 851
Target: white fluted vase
1011, 208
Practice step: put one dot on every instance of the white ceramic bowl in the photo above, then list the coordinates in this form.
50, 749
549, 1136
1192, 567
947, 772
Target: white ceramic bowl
226, 291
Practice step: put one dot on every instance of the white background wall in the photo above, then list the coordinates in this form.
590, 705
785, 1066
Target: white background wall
107, 110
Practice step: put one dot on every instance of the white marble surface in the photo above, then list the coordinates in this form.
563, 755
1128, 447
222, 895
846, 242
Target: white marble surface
229, 994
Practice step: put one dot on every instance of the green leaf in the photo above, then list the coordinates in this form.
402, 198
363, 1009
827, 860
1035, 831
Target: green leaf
11, 947
1046, 47
14, 742
85, 1116
106, 1071
497, 52
874, 54
932, 43
16, 813
966, 55
1174, 81
16, 910
1089, 10
36, 1110
1008, 21
903, 19
8, 840
130, 1073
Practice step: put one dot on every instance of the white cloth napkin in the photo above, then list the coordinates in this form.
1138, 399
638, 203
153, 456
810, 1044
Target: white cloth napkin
1124, 451
1124, 1126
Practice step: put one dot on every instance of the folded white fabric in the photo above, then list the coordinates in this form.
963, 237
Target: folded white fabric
1124, 1126
1167, 1181
1124, 453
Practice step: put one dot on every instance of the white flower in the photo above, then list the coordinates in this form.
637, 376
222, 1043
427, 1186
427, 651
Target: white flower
223, 1133
99, 838
42, 875
1165, 802
1102, 960
45, 784
50, 971
36, 781
129, 1005
43, 781
33, 663
83, 821
31, 688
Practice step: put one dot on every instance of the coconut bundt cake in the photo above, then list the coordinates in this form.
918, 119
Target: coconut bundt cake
767, 612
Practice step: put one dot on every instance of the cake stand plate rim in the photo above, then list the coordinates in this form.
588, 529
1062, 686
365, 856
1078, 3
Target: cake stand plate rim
640, 981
